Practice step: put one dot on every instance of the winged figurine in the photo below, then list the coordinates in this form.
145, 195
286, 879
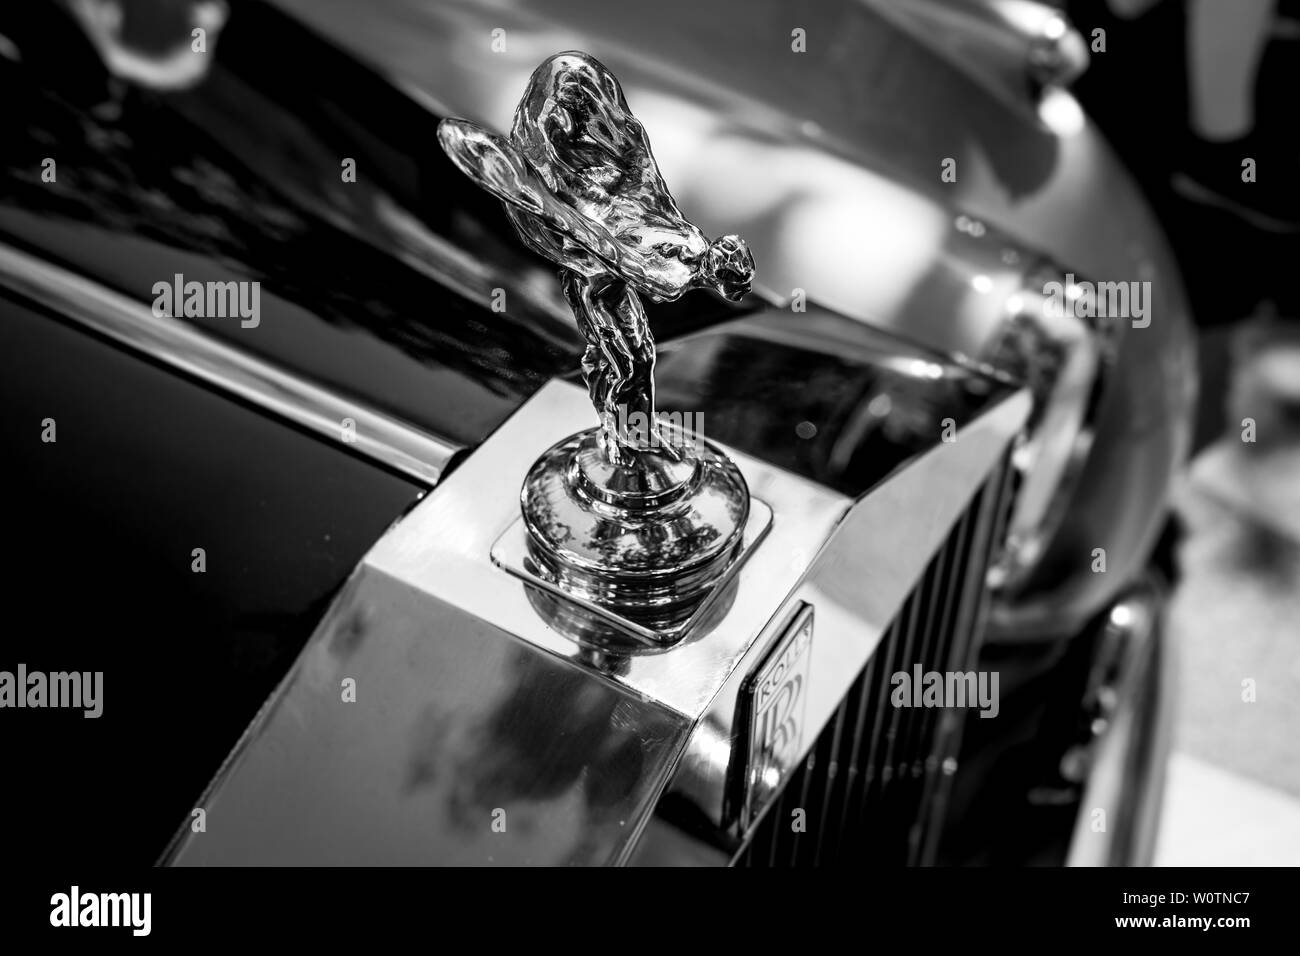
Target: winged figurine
582, 188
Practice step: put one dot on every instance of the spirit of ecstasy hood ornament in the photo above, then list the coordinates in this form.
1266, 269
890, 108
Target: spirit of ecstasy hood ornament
631, 515
582, 188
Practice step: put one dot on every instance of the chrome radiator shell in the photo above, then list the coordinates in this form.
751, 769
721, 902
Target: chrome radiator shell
481, 734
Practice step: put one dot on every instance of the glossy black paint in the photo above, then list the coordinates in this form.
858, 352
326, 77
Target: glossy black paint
241, 178
99, 531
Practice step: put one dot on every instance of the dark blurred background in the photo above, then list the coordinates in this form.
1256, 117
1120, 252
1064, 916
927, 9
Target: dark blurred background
1185, 91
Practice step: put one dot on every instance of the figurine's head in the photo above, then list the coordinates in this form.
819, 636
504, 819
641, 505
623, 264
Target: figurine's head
729, 267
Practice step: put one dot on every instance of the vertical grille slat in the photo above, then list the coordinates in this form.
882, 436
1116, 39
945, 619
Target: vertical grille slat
806, 849
774, 845
994, 516
929, 756
953, 582
785, 827
859, 696
937, 633
874, 779
909, 746
837, 764
860, 772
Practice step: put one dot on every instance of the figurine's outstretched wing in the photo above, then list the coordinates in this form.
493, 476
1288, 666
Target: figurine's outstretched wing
574, 128
495, 164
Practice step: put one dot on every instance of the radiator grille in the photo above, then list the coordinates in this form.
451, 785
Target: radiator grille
875, 781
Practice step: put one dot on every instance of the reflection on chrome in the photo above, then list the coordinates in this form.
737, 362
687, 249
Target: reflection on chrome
182, 59
1064, 360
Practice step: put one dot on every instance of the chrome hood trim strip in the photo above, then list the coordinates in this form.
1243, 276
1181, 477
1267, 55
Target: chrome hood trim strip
378, 435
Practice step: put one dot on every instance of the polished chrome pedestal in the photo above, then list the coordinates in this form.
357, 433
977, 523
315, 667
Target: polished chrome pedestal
647, 543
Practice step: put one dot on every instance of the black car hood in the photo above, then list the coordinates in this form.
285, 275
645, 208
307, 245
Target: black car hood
366, 286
